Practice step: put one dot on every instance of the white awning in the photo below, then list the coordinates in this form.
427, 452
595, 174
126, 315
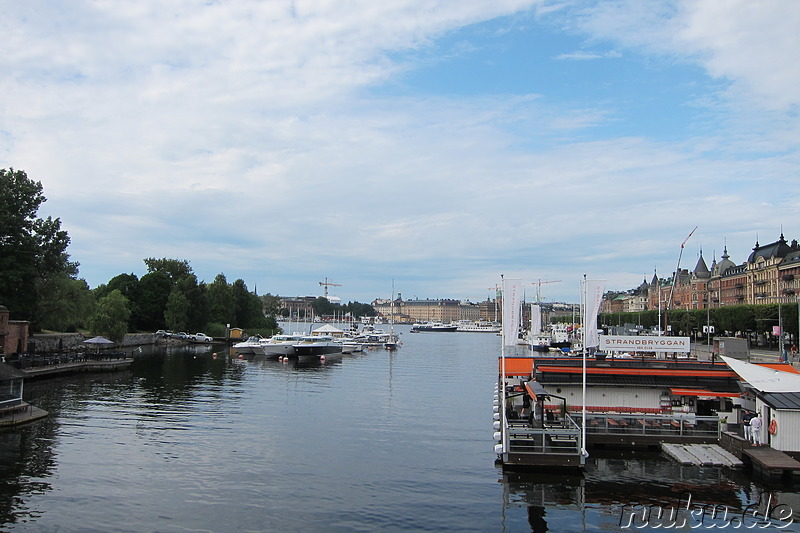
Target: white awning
763, 378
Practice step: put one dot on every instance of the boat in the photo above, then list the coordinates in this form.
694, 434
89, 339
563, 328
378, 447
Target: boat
433, 326
393, 341
248, 346
477, 327
278, 345
316, 346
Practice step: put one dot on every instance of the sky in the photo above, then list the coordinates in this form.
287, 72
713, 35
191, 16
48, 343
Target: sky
427, 145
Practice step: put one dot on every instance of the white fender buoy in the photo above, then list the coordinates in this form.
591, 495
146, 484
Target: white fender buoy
497, 436
496, 416
496, 408
285, 360
498, 449
496, 424
495, 402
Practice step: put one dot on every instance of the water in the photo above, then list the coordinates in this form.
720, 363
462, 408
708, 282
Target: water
379, 441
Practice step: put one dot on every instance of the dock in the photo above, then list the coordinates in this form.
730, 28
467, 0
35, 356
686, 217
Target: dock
701, 454
89, 365
21, 413
771, 464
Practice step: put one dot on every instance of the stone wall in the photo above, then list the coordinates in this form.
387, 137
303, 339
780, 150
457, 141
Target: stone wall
73, 342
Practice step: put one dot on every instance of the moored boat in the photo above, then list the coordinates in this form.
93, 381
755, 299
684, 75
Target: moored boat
433, 326
316, 346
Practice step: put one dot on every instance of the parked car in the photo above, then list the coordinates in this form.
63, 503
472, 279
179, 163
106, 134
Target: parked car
200, 337
180, 335
163, 333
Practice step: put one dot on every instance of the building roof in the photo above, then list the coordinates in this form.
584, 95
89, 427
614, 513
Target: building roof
764, 379
720, 268
701, 270
8, 372
778, 248
782, 400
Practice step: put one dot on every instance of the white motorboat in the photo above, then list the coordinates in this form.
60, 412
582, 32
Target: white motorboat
477, 327
249, 346
278, 345
316, 346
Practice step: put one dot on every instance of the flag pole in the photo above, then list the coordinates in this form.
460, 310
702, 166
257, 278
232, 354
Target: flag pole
583, 369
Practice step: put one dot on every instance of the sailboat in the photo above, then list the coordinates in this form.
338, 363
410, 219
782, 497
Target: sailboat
392, 342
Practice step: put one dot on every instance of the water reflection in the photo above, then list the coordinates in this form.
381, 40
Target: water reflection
645, 491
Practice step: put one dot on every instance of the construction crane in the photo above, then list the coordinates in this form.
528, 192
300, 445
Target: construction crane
539, 287
327, 284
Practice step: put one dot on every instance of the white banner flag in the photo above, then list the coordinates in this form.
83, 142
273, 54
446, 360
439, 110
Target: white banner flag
594, 296
512, 296
536, 319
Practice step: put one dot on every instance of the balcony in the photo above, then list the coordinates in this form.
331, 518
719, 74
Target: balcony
787, 277
760, 282
788, 292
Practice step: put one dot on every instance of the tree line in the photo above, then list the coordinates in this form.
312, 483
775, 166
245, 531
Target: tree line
39, 282
731, 320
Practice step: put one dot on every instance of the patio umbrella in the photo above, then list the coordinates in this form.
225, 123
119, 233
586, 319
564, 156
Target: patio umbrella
98, 341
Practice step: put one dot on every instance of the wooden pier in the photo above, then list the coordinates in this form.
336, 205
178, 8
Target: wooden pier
88, 365
771, 464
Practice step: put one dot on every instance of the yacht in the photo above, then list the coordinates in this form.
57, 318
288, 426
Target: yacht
316, 346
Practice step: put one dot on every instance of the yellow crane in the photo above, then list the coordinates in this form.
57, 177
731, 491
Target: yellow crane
327, 284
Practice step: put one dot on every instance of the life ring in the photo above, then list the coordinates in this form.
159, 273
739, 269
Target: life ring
773, 427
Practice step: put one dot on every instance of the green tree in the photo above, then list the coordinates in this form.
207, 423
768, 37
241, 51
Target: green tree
220, 301
271, 304
248, 307
32, 250
153, 293
322, 306
66, 303
111, 317
176, 314
175, 269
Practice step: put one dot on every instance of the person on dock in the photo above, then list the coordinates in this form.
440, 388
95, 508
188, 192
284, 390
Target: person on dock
755, 428
746, 417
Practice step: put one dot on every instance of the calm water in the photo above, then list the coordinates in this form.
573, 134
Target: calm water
190, 441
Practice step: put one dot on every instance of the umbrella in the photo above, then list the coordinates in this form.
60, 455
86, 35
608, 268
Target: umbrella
98, 341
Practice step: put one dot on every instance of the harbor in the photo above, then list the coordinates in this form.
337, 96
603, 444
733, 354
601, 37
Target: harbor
393, 440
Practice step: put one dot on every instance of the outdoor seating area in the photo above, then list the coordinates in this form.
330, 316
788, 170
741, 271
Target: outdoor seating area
649, 424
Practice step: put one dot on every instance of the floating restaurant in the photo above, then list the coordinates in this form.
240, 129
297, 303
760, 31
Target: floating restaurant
548, 410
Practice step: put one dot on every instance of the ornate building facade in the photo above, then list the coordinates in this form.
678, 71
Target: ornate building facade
770, 275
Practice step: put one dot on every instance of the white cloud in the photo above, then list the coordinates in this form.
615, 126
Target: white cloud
244, 138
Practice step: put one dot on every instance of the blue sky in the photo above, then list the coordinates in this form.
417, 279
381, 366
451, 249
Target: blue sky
436, 144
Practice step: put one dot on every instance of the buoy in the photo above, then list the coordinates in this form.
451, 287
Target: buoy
498, 449
496, 408
322, 358
285, 360
497, 436
773, 427
496, 424
496, 416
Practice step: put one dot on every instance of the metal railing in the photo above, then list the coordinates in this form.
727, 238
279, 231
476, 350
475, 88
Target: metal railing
676, 424
562, 437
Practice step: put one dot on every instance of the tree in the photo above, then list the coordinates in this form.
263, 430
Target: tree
175, 269
154, 290
322, 306
32, 250
176, 314
111, 317
220, 301
271, 304
66, 303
